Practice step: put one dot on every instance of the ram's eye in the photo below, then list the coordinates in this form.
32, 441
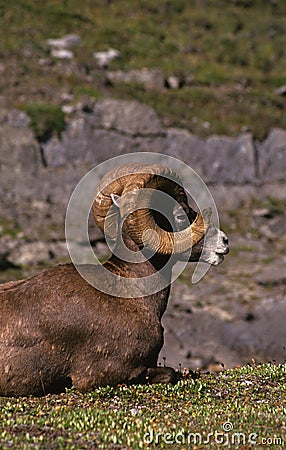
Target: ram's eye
181, 221
181, 218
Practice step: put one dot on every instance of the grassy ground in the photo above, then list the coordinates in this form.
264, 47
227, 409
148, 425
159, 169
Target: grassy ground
236, 60
242, 408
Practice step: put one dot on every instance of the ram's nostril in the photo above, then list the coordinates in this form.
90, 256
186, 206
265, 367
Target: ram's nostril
225, 240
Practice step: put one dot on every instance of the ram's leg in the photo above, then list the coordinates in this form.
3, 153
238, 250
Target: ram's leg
20, 373
160, 375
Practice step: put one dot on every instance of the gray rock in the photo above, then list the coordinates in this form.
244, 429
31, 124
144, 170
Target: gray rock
131, 118
217, 160
62, 53
84, 145
19, 251
229, 160
30, 253
229, 197
263, 338
14, 118
204, 337
20, 163
272, 156
151, 79
33, 253
70, 40
281, 90
173, 82
196, 340
105, 57
272, 276
36, 194
54, 152
26, 185
185, 146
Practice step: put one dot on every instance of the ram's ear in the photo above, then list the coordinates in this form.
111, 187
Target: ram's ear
116, 199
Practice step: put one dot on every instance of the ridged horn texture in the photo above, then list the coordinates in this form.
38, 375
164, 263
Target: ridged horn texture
129, 182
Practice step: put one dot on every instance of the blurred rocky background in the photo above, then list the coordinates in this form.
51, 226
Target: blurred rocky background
81, 84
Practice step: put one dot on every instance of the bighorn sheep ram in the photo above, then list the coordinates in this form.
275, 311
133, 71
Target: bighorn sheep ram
58, 331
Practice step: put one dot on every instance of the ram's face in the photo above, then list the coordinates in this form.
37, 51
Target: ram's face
211, 248
154, 210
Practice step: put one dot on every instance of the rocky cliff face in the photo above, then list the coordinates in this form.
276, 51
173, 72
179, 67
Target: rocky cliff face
37, 178
36, 181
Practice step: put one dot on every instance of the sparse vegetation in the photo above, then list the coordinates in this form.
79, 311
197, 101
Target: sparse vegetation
244, 406
46, 120
242, 249
273, 206
235, 64
8, 227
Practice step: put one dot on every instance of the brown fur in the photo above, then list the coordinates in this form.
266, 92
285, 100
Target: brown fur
56, 331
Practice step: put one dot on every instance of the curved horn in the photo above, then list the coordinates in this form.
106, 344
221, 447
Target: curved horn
130, 181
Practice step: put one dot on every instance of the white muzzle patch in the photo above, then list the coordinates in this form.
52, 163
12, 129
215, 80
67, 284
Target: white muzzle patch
215, 247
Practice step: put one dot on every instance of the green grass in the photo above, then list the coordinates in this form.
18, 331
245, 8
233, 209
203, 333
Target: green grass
268, 260
9, 227
46, 120
275, 206
244, 405
236, 250
236, 63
